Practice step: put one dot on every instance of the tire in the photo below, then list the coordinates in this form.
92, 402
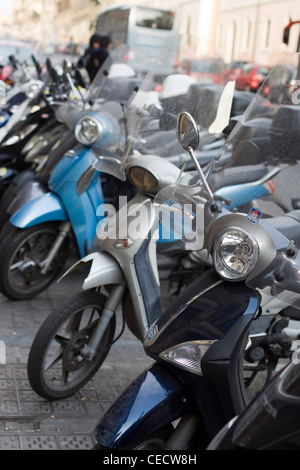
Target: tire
153, 442
54, 342
21, 252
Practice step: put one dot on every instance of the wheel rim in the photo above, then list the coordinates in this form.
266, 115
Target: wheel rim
66, 363
24, 272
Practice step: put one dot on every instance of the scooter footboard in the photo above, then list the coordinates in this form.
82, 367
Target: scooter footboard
153, 400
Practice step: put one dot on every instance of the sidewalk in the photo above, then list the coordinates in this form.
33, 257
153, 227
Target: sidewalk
29, 422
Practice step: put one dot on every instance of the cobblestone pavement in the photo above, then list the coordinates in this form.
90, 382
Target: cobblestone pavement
29, 422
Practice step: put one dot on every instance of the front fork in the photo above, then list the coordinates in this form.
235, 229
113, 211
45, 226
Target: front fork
64, 230
111, 304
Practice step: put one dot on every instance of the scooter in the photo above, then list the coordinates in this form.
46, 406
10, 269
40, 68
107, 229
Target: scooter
127, 266
195, 385
24, 82
70, 208
33, 128
270, 421
68, 211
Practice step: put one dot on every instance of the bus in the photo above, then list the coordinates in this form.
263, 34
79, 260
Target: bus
143, 29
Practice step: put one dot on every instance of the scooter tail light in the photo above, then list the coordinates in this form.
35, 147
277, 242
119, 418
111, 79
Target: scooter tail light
188, 355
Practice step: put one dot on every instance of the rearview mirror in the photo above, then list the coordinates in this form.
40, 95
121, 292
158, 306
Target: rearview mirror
187, 131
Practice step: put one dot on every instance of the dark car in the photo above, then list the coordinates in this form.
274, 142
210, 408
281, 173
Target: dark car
251, 77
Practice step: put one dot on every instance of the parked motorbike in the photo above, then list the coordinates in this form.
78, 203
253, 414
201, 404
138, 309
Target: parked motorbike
195, 385
33, 127
75, 193
270, 421
72, 344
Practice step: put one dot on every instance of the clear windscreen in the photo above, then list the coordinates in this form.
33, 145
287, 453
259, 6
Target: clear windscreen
106, 86
169, 87
261, 150
267, 135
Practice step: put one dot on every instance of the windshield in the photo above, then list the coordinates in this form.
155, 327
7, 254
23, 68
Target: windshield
268, 135
106, 86
263, 148
150, 115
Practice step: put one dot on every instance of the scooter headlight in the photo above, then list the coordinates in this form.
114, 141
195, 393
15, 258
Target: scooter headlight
188, 355
143, 179
235, 253
88, 130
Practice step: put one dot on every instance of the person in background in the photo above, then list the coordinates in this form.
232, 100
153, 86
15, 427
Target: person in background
95, 54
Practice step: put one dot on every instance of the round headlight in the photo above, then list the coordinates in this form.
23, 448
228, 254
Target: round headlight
88, 130
235, 253
143, 179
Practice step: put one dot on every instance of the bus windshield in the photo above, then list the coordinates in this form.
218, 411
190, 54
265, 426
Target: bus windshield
143, 29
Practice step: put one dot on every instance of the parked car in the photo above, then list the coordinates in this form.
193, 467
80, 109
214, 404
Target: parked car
233, 70
205, 70
251, 77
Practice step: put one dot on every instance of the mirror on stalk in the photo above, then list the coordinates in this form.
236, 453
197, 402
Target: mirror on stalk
187, 131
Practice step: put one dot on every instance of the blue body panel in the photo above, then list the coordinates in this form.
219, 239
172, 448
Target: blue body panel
45, 208
64, 203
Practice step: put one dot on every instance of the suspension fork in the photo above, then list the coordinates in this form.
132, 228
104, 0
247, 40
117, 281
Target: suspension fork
64, 230
114, 299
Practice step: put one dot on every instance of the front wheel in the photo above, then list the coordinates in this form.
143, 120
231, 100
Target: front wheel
22, 254
58, 365
155, 441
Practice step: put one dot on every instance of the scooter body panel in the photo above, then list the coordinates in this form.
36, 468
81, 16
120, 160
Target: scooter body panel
154, 399
45, 208
104, 270
240, 194
80, 207
221, 319
64, 203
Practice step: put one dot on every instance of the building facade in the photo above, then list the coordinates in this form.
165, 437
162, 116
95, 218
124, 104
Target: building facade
250, 30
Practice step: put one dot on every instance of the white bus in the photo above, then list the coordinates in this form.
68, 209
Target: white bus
143, 29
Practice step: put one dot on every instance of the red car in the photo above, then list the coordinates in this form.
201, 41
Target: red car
252, 77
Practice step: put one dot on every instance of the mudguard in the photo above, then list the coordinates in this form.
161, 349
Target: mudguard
152, 401
26, 187
104, 270
45, 208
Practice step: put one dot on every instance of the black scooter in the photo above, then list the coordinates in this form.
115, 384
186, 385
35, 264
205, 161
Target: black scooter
270, 421
196, 384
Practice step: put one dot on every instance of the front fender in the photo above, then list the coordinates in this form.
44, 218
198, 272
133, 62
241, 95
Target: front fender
104, 270
27, 187
153, 400
45, 208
